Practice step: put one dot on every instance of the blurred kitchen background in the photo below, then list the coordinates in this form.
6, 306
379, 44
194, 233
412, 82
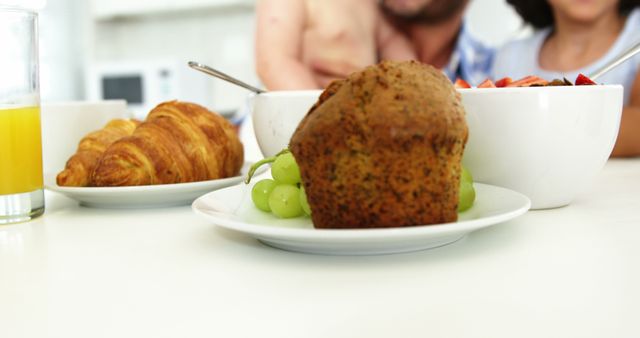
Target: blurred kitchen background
138, 49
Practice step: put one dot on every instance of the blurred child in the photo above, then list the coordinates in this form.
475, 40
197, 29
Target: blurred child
305, 44
580, 36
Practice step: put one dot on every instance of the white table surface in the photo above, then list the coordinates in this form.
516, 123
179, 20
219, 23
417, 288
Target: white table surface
568, 272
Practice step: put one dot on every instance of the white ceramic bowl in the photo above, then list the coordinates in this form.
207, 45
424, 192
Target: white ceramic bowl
276, 116
547, 143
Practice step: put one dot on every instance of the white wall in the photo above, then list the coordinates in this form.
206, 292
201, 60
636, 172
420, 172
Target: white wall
61, 50
494, 21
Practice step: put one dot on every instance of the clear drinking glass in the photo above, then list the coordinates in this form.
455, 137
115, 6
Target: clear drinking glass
21, 182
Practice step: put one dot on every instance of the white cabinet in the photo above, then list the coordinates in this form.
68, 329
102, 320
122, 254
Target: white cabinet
135, 33
105, 10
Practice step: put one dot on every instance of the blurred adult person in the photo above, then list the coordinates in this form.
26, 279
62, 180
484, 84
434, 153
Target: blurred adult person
307, 43
304, 44
437, 30
580, 36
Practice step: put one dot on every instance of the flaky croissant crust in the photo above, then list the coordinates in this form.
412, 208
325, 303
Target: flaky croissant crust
78, 169
178, 142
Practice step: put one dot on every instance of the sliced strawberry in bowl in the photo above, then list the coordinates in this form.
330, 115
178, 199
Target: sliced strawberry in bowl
529, 81
505, 81
460, 83
583, 80
487, 84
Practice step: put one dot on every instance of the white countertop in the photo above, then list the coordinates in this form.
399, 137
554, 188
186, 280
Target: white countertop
568, 272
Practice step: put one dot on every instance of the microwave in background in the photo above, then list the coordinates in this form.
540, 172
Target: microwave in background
145, 84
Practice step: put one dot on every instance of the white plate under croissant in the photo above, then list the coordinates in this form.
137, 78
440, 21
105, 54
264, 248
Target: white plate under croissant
144, 196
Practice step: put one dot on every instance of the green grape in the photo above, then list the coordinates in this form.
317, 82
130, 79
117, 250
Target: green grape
466, 175
466, 197
284, 201
303, 201
255, 166
260, 193
285, 169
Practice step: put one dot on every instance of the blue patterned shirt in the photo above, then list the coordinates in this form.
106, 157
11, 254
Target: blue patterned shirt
471, 59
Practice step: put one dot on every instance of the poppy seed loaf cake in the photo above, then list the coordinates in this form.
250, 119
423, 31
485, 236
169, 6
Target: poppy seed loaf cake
383, 148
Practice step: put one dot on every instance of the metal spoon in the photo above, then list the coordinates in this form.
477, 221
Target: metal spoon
223, 76
620, 59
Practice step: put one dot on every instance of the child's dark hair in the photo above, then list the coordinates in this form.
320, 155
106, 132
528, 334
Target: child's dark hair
538, 13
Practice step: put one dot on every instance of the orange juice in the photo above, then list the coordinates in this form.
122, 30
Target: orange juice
20, 150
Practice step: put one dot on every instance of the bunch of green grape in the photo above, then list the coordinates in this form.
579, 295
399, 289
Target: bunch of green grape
467, 194
283, 195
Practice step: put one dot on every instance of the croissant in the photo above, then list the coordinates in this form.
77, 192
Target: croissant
79, 167
178, 142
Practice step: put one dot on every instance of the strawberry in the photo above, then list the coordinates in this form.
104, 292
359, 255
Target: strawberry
505, 81
460, 83
528, 81
582, 80
487, 84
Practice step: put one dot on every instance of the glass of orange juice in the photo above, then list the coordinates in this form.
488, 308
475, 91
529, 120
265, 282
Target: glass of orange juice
21, 186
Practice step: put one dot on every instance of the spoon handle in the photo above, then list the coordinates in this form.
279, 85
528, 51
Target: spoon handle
223, 76
620, 59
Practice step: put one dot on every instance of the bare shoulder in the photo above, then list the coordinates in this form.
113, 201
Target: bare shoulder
341, 12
